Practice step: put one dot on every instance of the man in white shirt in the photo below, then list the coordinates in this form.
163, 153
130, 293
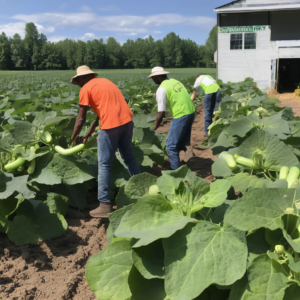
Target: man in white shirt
212, 98
173, 95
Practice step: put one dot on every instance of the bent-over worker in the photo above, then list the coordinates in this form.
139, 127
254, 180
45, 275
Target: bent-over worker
115, 132
173, 95
212, 98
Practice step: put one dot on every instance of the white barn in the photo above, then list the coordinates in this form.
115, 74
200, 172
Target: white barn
260, 39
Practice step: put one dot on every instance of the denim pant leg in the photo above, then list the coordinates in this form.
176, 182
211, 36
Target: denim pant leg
209, 106
107, 147
218, 100
179, 137
125, 149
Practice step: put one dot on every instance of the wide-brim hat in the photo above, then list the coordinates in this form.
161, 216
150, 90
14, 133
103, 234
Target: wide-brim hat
83, 70
158, 71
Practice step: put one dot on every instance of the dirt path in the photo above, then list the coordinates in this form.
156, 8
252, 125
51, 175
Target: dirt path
54, 269
288, 99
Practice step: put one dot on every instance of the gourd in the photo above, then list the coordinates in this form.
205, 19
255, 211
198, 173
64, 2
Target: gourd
246, 162
46, 136
284, 171
231, 163
69, 151
31, 167
15, 164
293, 176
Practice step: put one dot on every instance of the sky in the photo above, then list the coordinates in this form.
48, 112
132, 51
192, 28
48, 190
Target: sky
121, 19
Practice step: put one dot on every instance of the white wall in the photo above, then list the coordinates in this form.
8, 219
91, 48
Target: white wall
236, 65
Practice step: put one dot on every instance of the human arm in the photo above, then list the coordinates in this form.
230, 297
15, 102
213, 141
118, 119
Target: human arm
194, 95
91, 131
159, 117
80, 121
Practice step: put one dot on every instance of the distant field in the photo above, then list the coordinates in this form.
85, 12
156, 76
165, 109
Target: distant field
111, 74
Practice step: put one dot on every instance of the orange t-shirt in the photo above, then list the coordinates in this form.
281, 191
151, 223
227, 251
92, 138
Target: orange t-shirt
107, 102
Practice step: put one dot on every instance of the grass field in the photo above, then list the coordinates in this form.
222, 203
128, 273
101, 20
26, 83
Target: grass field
114, 75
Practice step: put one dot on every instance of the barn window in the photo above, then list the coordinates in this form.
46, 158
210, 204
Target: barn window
236, 41
250, 41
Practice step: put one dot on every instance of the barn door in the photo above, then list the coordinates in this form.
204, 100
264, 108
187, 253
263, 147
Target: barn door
274, 73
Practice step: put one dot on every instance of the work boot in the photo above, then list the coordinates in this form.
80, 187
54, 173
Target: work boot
102, 211
188, 154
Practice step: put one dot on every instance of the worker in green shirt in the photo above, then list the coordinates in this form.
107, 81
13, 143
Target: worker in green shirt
212, 98
173, 95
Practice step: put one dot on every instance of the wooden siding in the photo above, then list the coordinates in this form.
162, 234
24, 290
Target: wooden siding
236, 65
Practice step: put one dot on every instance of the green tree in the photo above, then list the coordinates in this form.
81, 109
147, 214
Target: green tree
211, 47
4, 52
114, 54
18, 55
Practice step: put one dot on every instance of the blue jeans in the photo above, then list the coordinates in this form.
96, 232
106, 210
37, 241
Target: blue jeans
109, 141
211, 103
179, 137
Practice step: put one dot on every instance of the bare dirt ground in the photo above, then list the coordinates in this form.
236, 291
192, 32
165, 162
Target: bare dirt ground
55, 269
287, 99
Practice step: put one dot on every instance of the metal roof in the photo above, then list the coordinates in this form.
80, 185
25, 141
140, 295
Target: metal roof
228, 4
254, 5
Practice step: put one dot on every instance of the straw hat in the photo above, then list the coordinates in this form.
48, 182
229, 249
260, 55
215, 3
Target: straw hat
158, 71
83, 70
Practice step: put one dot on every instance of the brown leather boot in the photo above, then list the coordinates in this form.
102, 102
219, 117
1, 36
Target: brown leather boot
188, 154
102, 211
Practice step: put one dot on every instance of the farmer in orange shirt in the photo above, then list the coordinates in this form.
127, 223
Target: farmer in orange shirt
115, 132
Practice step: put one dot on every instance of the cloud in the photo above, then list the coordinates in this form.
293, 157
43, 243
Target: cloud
122, 24
55, 39
88, 36
11, 29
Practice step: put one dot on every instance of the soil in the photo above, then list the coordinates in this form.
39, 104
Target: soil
55, 269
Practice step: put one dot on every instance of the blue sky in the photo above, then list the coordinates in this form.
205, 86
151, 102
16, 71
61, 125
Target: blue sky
120, 19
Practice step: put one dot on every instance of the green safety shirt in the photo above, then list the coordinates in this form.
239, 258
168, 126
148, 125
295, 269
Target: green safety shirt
209, 85
178, 99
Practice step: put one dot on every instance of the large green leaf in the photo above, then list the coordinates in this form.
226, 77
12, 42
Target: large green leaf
292, 292
75, 193
25, 230
10, 184
139, 185
149, 260
23, 132
275, 153
54, 169
146, 289
57, 203
242, 125
170, 180
260, 208
152, 218
107, 272
244, 181
266, 280
190, 266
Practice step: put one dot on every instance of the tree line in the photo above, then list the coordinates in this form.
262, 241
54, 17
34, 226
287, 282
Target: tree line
34, 52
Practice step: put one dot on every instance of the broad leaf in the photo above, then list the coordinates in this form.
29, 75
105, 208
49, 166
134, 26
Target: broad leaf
107, 272
266, 280
190, 266
260, 208
152, 218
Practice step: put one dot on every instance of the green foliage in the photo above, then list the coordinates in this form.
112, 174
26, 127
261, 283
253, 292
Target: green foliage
191, 240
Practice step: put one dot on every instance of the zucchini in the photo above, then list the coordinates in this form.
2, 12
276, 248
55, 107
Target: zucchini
246, 162
31, 167
231, 163
70, 151
284, 171
21, 169
46, 136
293, 176
16, 164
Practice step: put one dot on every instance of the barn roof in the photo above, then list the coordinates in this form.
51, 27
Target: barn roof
258, 5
